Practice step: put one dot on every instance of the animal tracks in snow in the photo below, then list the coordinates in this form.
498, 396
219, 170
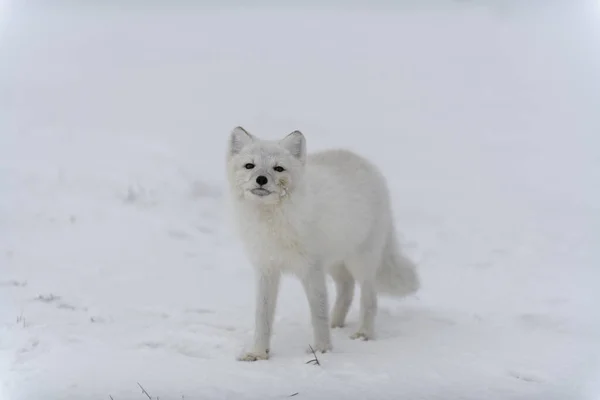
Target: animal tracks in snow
533, 321
526, 377
196, 339
199, 311
54, 299
183, 346
47, 298
13, 283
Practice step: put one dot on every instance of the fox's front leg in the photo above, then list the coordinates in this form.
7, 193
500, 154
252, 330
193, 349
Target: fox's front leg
316, 292
267, 284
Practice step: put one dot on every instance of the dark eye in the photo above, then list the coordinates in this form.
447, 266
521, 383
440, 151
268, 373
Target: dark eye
279, 169
249, 166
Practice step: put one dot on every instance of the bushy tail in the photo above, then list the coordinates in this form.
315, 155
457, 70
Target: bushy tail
397, 275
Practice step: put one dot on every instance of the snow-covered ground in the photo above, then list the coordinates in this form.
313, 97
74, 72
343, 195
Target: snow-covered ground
118, 265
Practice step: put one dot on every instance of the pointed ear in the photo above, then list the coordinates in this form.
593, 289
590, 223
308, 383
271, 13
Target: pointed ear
295, 143
238, 139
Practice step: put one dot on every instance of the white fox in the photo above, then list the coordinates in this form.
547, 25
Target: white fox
326, 213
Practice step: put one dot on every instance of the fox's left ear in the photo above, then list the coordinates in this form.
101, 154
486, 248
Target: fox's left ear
295, 143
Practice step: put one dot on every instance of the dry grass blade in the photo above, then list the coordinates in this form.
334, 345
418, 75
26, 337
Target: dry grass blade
144, 391
314, 361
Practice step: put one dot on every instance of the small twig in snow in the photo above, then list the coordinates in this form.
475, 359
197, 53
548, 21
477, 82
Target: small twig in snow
111, 398
144, 391
21, 320
293, 394
314, 361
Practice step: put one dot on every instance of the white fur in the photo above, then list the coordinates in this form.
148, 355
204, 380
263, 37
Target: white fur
328, 212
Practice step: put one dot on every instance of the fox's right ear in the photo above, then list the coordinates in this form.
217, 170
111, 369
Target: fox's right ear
238, 139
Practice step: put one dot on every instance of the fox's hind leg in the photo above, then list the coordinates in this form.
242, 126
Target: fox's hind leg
368, 311
363, 268
344, 288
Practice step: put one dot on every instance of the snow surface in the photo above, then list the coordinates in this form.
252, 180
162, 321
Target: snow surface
118, 264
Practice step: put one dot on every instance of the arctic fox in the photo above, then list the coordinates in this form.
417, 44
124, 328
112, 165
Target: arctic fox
328, 212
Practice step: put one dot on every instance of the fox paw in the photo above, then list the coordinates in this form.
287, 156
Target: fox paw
254, 356
337, 324
364, 336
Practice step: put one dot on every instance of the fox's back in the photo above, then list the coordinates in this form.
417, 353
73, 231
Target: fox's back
348, 197
347, 173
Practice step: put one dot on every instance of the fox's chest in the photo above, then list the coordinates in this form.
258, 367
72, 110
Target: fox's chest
274, 241
274, 236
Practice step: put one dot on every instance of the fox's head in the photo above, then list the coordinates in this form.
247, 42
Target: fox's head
265, 171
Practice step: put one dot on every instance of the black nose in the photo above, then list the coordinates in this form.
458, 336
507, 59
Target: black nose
262, 180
